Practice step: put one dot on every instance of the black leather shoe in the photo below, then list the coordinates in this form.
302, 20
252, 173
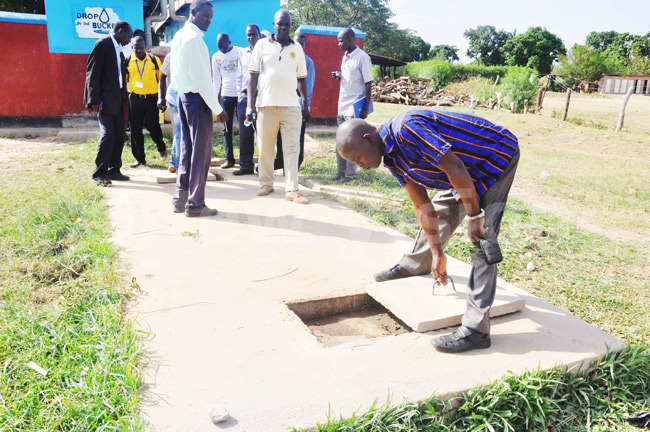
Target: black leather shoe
241, 172
118, 177
336, 178
396, 272
179, 208
463, 339
347, 179
102, 181
201, 211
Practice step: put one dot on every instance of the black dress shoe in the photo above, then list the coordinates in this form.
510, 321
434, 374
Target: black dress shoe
347, 179
200, 211
118, 177
241, 172
336, 178
137, 164
102, 181
396, 272
162, 154
179, 208
463, 339
227, 165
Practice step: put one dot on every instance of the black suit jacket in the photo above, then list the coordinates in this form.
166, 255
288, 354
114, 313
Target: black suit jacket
102, 80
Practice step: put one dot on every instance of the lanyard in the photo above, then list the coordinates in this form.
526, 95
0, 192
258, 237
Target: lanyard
138, 66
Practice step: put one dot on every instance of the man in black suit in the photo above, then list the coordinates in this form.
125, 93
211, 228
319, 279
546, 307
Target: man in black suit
105, 81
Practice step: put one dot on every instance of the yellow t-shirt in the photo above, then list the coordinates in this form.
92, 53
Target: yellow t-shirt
143, 71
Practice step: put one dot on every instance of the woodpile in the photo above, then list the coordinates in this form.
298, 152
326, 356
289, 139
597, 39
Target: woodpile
415, 91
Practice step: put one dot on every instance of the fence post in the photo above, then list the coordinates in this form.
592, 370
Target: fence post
621, 113
496, 81
566, 104
513, 107
526, 106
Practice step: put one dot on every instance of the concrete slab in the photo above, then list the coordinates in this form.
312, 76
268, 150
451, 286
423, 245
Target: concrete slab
414, 301
213, 305
164, 177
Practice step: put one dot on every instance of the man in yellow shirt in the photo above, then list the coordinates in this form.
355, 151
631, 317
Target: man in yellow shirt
143, 74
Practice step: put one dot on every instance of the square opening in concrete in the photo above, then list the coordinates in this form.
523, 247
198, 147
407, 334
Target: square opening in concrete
353, 318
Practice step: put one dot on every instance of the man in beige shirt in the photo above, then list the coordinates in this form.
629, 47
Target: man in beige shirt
276, 64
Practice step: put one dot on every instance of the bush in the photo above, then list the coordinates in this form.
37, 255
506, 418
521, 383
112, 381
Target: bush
438, 71
516, 87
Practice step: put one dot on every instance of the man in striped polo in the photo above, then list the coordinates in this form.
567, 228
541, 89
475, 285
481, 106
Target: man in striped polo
471, 162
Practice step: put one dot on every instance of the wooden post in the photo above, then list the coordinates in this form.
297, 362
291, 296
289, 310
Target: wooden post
513, 107
621, 113
566, 104
540, 95
496, 81
472, 102
526, 106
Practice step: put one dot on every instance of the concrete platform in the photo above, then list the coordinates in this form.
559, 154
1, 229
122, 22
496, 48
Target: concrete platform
413, 300
213, 306
163, 177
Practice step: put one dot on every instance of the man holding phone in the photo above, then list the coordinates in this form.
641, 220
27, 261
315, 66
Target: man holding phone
472, 163
356, 83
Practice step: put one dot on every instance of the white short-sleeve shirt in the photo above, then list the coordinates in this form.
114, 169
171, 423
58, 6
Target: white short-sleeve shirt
279, 69
356, 71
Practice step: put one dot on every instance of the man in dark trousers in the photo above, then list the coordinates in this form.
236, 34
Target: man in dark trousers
105, 83
143, 75
472, 163
192, 79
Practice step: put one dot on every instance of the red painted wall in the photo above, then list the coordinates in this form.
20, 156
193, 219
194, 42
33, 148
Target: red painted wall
326, 54
33, 82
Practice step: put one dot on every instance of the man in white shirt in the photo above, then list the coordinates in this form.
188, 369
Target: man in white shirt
246, 133
276, 63
224, 75
356, 82
192, 79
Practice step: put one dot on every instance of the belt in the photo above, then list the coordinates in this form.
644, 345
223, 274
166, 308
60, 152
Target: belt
145, 96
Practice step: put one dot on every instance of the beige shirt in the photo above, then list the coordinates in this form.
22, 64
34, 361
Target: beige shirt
279, 69
190, 68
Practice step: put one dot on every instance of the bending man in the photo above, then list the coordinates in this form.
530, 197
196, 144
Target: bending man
472, 163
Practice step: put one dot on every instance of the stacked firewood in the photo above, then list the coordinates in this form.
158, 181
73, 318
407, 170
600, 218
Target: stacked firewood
415, 91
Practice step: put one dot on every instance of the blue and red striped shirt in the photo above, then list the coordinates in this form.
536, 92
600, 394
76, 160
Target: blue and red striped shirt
416, 140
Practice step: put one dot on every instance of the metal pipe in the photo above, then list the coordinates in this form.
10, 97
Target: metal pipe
164, 14
172, 12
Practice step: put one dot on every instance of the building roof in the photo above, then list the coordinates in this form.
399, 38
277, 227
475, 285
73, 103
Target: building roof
327, 30
385, 61
23, 18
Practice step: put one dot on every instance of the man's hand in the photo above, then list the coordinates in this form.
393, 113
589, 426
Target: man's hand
364, 113
97, 108
249, 113
306, 114
476, 230
439, 268
162, 106
222, 117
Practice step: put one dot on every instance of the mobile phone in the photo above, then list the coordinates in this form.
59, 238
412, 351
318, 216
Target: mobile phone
492, 250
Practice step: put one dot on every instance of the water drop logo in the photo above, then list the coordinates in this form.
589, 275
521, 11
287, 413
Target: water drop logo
95, 22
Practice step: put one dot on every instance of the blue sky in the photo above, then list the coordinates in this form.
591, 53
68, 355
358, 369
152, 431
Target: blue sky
443, 22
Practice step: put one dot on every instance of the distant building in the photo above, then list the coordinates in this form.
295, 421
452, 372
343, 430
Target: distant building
619, 84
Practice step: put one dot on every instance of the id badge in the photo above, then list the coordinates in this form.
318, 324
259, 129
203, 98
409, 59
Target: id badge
138, 84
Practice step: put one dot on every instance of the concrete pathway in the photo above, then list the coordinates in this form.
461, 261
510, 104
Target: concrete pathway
212, 302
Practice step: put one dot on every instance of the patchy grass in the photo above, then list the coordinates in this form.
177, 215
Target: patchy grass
555, 400
61, 301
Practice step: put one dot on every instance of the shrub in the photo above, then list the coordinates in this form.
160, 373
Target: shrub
516, 87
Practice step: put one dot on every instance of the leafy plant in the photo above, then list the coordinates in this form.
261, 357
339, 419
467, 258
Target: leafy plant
516, 87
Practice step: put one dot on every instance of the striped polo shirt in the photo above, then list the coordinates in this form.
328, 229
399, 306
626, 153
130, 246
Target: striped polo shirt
416, 140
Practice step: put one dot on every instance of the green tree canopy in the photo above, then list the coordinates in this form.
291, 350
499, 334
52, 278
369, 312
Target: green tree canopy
537, 49
486, 45
23, 6
444, 52
370, 16
584, 62
630, 52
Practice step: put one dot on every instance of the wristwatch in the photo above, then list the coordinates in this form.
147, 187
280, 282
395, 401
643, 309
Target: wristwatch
478, 216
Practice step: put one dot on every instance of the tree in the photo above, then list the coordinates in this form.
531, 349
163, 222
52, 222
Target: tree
370, 16
537, 49
584, 62
486, 45
23, 6
630, 52
444, 52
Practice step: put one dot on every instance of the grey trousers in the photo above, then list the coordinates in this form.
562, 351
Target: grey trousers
483, 277
345, 168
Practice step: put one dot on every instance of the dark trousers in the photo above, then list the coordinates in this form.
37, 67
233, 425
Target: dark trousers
111, 143
279, 157
229, 104
144, 112
196, 150
246, 138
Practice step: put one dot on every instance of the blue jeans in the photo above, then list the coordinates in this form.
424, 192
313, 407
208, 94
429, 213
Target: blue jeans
176, 145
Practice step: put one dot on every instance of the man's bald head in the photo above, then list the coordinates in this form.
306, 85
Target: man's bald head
359, 142
282, 26
223, 42
347, 40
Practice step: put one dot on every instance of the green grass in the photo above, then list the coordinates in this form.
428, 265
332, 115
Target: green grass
61, 301
556, 400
